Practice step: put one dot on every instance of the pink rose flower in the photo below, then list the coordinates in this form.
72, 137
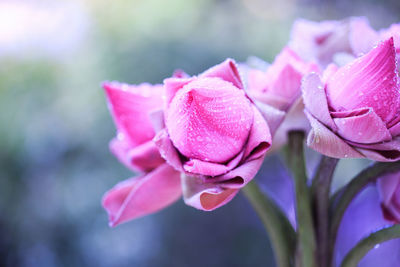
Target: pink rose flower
159, 184
389, 192
213, 134
355, 111
278, 90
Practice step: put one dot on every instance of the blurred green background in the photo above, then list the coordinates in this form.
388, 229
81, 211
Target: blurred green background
55, 127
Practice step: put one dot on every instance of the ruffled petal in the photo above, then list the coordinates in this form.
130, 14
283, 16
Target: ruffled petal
260, 138
146, 156
369, 81
167, 150
326, 142
240, 176
315, 101
226, 71
380, 155
143, 195
205, 196
361, 126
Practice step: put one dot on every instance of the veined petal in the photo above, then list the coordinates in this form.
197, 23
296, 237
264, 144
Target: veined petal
143, 195
361, 126
226, 71
205, 196
370, 81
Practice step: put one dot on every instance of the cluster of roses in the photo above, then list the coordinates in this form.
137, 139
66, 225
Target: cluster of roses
205, 137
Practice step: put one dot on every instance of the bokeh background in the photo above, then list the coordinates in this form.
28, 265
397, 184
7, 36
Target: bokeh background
55, 127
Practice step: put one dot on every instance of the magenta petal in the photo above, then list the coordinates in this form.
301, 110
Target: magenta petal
209, 119
315, 101
240, 176
200, 167
167, 150
260, 139
395, 129
227, 71
326, 142
205, 196
141, 196
130, 106
361, 126
172, 85
381, 155
370, 81
146, 156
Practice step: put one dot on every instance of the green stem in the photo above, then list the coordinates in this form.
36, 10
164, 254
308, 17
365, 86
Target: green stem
342, 199
279, 229
306, 247
320, 191
361, 249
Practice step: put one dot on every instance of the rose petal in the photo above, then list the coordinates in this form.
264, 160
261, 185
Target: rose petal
387, 186
326, 142
143, 195
200, 167
130, 106
259, 139
361, 126
381, 155
172, 85
146, 156
167, 150
370, 81
227, 71
315, 101
240, 176
205, 196
209, 119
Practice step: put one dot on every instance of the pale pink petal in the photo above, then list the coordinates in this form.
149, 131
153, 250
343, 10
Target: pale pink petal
259, 139
130, 106
226, 71
362, 37
370, 81
257, 80
209, 119
173, 85
273, 116
327, 143
392, 31
329, 71
392, 146
143, 195
276, 101
205, 196
157, 119
361, 126
315, 101
167, 150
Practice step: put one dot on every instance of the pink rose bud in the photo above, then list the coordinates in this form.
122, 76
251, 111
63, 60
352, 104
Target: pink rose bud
355, 112
213, 134
389, 192
279, 90
131, 106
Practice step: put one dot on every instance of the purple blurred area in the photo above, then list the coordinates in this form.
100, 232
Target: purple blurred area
55, 127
